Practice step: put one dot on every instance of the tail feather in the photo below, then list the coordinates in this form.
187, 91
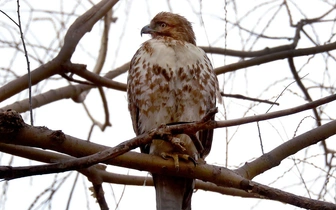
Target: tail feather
173, 193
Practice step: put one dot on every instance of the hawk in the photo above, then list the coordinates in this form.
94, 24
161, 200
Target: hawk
171, 80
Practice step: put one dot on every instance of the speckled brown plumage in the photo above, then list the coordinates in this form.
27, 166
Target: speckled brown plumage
171, 80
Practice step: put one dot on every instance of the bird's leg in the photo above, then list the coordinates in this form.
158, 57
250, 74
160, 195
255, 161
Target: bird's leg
176, 157
180, 145
177, 143
179, 151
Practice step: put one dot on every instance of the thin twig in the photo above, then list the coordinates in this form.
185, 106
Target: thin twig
248, 98
99, 193
260, 139
71, 79
28, 64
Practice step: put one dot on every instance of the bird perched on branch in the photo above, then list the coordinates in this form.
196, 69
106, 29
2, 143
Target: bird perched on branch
171, 80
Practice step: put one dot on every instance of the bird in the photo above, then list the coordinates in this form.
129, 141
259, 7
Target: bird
171, 80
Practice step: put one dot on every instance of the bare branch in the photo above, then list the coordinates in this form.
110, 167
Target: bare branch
248, 98
218, 175
80, 70
50, 96
82, 25
274, 57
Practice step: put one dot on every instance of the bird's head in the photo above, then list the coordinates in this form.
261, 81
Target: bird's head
170, 25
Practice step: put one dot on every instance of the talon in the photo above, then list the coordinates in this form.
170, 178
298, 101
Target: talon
164, 155
193, 160
184, 157
188, 158
175, 157
176, 163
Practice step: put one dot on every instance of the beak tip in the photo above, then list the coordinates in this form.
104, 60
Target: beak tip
146, 30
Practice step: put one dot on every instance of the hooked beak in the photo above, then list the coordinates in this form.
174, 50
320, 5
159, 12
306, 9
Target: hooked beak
146, 30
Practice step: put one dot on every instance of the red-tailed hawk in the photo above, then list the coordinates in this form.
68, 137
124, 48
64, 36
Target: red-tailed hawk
171, 80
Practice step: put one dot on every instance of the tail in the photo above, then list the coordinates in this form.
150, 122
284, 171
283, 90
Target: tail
173, 193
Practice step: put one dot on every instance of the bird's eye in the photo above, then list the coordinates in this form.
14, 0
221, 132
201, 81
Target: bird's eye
163, 25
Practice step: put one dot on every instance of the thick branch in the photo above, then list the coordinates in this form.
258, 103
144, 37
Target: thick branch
218, 175
81, 26
274, 157
109, 177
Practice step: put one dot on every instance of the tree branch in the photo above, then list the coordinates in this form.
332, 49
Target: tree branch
82, 25
98, 171
274, 57
50, 96
12, 124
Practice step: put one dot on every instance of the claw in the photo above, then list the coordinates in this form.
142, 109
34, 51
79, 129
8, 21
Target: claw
188, 158
176, 157
193, 160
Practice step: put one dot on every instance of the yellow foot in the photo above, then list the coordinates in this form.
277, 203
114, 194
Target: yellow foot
177, 143
176, 157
